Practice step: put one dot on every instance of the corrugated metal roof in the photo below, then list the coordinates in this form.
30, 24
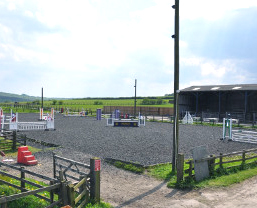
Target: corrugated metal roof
237, 87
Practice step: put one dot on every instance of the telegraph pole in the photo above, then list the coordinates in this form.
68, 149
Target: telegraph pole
42, 99
176, 87
135, 101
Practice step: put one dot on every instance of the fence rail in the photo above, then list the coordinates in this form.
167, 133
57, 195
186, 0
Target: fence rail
53, 187
12, 140
76, 194
212, 163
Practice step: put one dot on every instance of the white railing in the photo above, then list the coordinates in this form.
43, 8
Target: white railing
14, 124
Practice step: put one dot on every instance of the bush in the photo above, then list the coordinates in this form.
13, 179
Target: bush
97, 102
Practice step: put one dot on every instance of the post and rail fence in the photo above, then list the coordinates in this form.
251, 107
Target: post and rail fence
77, 192
213, 161
11, 140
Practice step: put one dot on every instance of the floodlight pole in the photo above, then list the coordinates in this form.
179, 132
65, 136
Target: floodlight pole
176, 87
135, 101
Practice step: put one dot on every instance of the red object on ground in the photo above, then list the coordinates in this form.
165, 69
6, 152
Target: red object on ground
2, 153
25, 157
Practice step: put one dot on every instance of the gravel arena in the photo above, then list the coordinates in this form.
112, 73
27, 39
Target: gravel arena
81, 138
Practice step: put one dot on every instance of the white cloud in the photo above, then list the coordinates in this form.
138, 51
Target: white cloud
212, 9
28, 13
97, 48
11, 6
213, 70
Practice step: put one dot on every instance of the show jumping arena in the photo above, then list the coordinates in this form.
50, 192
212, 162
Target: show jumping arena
149, 145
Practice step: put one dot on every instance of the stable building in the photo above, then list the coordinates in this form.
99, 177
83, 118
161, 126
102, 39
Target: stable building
217, 101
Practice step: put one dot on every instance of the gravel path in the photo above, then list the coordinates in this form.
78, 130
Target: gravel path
147, 145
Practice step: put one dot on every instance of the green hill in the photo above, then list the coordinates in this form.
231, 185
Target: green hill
9, 97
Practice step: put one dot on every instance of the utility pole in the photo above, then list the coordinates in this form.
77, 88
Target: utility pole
42, 99
176, 87
135, 101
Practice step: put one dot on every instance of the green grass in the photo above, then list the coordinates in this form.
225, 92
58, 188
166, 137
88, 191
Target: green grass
162, 172
129, 167
227, 180
87, 104
222, 176
100, 205
32, 201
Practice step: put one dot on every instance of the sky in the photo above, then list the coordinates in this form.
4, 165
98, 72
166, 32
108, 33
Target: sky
97, 48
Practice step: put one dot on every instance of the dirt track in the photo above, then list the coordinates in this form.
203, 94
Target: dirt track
130, 190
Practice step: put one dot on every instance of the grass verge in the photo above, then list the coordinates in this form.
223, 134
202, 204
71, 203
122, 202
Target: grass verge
223, 177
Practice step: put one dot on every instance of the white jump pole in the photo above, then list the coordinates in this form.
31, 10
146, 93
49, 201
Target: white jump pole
227, 124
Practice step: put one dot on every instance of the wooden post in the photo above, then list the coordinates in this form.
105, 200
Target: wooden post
22, 178
180, 168
54, 166
71, 195
243, 157
52, 192
25, 140
221, 160
95, 179
63, 190
14, 140
211, 165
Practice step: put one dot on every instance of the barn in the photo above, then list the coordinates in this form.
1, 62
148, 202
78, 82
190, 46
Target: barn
218, 101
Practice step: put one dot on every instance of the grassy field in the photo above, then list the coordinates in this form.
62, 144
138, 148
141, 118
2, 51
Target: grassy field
76, 104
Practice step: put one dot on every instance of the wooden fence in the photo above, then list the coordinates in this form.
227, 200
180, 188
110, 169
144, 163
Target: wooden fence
144, 110
54, 186
86, 179
12, 140
75, 193
215, 162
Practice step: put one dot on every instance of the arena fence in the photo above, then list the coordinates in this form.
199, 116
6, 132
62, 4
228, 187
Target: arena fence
11, 140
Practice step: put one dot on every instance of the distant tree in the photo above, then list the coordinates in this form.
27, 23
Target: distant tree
97, 102
147, 101
54, 102
36, 102
60, 102
160, 101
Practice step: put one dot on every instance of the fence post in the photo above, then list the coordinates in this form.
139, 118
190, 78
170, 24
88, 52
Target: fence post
221, 160
52, 192
243, 157
54, 166
180, 168
14, 140
25, 140
63, 190
211, 165
95, 166
71, 195
22, 178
